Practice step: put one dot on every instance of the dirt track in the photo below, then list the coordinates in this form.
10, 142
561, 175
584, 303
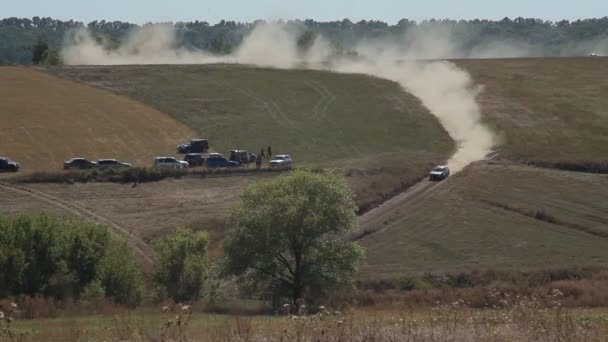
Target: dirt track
143, 251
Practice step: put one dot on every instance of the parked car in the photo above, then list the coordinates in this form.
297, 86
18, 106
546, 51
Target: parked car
194, 146
78, 164
439, 173
106, 164
217, 160
281, 160
195, 159
170, 163
8, 165
242, 156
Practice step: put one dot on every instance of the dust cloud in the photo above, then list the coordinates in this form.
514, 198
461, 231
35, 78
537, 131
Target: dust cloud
447, 91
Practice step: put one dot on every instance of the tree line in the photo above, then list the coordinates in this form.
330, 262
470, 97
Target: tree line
18, 35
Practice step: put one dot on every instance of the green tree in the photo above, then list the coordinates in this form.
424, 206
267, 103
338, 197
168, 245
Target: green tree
181, 264
51, 57
41, 255
38, 52
119, 275
288, 236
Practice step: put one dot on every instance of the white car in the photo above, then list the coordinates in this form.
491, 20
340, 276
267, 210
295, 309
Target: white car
281, 160
439, 173
170, 163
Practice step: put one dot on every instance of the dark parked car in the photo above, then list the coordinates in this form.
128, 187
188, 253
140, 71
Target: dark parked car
105, 164
195, 159
242, 157
215, 160
194, 146
7, 165
78, 164
439, 173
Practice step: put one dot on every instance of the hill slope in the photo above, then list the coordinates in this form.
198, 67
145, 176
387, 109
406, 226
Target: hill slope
546, 109
319, 117
46, 120
495, 216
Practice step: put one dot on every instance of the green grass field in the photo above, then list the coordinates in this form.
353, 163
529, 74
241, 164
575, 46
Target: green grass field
321, 118
483, 218
546, 109
500, 216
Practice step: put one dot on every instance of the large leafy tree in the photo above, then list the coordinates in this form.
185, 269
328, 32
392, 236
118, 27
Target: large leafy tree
287, 236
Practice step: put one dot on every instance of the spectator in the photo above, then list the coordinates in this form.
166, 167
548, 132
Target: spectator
262, 153
258, 162
269, 152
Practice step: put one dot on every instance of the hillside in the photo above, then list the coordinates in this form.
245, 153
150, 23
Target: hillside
506, 215
46, 120
495, 216
498, 214
550, 109
321, 118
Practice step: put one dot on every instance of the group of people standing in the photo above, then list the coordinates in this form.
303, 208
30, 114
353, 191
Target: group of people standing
262, 156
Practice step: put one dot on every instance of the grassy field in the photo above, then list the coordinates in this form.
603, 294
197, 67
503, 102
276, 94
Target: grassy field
147, 210
495, 216
522, 321
499, 215
45, 120
550, 109
321, 118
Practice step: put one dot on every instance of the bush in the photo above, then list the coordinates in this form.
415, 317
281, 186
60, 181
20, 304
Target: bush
119, 276
40, 255
181, 264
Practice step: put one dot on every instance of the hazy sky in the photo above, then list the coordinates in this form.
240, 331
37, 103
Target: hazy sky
141, 11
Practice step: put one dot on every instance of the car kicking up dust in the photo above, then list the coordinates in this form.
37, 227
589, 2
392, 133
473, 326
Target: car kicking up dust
447, 91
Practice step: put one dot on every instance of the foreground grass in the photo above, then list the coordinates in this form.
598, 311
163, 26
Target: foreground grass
523, 319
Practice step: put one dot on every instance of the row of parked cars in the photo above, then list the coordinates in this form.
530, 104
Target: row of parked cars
196, 154
211, 160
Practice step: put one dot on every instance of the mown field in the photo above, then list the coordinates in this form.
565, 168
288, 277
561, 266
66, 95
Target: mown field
506, 215
495, 216
321, 118
546, 109
45, 120
492, 216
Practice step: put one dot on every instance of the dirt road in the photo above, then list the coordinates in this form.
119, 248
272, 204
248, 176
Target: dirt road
373, 220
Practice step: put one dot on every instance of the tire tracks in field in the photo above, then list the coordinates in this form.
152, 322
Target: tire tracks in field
377, 219
327, 98
141, 247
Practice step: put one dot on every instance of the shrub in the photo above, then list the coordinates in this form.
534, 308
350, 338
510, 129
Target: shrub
181, 264
119, 276
40, 255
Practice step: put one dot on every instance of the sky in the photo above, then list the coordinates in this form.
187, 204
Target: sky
142, 11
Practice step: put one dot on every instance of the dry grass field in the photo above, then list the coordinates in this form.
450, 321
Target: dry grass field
146, 211
45, 120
